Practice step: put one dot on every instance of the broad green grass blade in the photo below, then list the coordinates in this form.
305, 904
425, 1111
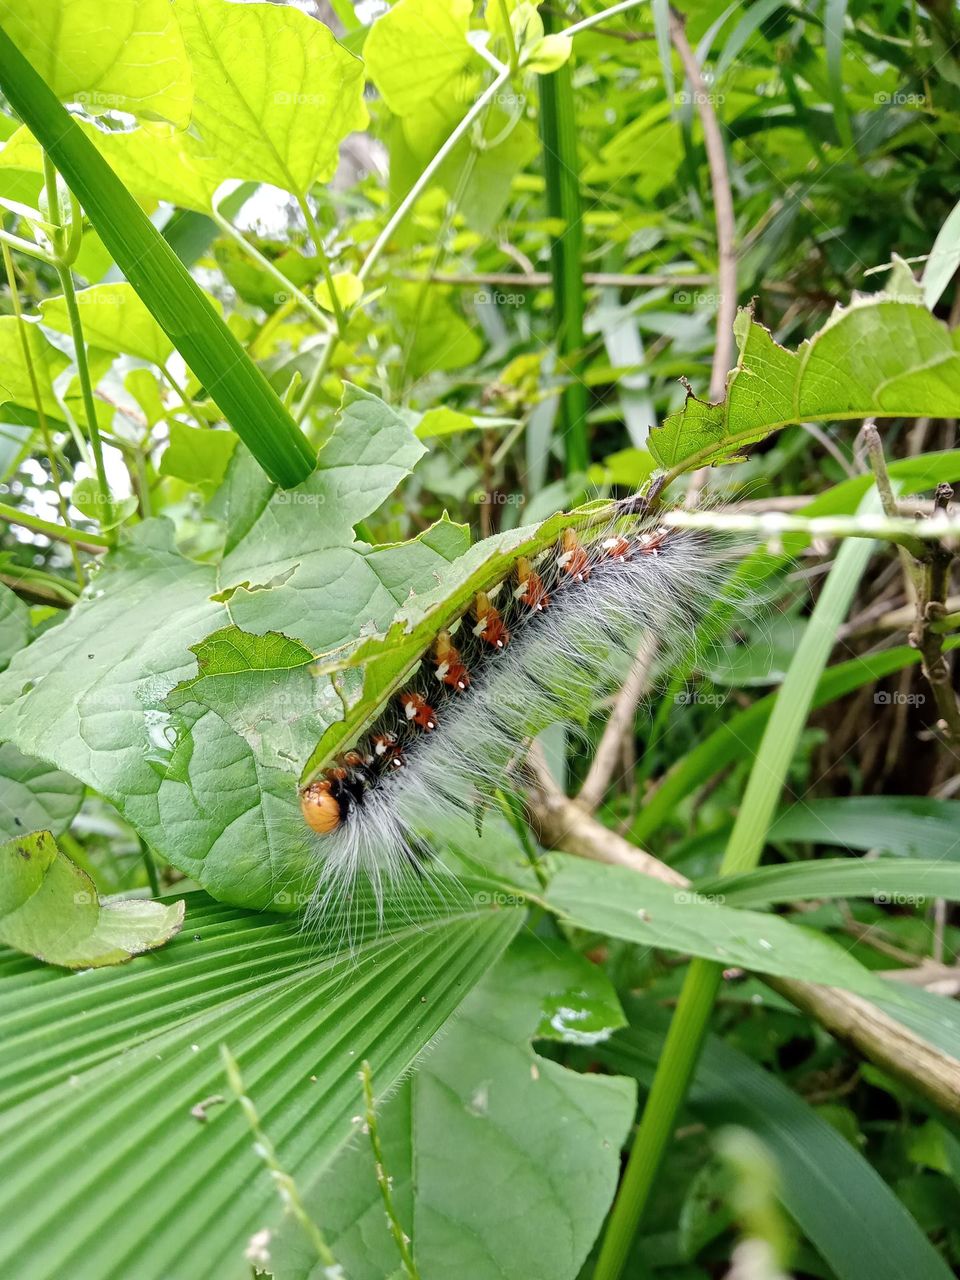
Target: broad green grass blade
160, 278
909, 826
885, 879
838, 1200
617, 902
762, 794
100, 1071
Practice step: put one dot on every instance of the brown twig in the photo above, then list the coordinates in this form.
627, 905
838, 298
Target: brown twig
610, 747
926, 636
542, 280
722, 209
562, 824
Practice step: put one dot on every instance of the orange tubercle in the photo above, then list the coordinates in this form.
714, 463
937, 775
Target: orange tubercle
320, 808
418, 711
573, 559
530, 589
450, 668
490, 627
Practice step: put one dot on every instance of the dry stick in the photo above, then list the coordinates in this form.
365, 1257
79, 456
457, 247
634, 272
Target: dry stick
927, 572
562, 824
555, 818
541, 279
927, 638
608, 752
722, 209
610, 748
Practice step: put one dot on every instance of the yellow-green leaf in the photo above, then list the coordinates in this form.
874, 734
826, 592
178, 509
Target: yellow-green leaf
127, 56
113, 319
155, 162
275, 93
349, 289
48, 362
416, 49
548, 54
49, 909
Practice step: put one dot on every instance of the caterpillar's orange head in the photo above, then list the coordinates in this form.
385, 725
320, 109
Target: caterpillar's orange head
320, 807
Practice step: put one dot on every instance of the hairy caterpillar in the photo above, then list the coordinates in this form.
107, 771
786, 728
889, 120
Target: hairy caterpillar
544, 646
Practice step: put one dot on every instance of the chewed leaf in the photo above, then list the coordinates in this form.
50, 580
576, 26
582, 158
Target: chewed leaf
882, 356
51, 910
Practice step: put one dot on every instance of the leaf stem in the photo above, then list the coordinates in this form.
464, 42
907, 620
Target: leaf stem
59, 533
25, 246
513, 55
401, 1239
317, 238
596, 18
79, 345
262, 261
410, 199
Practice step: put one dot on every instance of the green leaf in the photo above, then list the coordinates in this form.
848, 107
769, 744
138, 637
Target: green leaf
275, 95
437, 336
911, 826
90, 694
619, 903
262, 687
48, 363
878, 357
108, 511
34, 797
155, 162
548, 54
883, 879
941, 265
197, 455
852, 1217
113, 318
51, 910
14, 624
135, 62
416, 49
485, 1093
98, 1069
160, 278
443, 421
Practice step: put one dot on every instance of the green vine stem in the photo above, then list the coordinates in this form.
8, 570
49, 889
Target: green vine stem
57, 532
689, 1024
384, 1182
65, 251
264, 263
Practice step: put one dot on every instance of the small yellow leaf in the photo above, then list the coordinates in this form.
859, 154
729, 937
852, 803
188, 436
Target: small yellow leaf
349, 290
548, 54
